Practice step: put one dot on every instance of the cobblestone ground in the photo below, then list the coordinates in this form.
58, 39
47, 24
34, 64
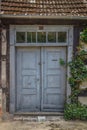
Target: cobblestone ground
47, 125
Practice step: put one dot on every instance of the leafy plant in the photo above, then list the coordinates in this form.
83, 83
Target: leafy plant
75, 111
78, 70
84, 36
62, 62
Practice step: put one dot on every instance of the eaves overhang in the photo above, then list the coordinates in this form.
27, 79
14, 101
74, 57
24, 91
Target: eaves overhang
44, 17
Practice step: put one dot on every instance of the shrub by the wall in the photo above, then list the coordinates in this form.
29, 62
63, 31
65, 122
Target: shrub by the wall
78, 70
75, 111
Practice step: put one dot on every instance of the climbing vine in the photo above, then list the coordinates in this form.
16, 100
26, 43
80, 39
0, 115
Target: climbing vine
78, 72
84, 36
78, 68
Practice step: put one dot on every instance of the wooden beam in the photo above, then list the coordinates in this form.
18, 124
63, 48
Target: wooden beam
22, 21
76, 38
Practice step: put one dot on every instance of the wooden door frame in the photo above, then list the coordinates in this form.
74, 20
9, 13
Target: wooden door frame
13, 47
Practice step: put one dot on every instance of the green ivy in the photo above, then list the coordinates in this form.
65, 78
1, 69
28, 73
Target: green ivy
84, 36
62, 62
78, 71
75, 111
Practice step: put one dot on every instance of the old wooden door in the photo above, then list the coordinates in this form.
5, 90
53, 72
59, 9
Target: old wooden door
53, 79
28, 83
40, 79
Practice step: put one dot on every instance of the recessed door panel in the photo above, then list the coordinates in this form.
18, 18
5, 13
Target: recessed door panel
40, 79
28, 79
54, 79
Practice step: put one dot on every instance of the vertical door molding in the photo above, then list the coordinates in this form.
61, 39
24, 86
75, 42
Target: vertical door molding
12, 70
12, 79
42, 75
12, 35
69, 58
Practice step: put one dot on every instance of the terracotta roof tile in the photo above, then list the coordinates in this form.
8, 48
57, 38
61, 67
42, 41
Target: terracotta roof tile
44, 7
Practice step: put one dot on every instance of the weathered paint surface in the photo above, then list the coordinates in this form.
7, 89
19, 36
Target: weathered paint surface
40, 79
56, 22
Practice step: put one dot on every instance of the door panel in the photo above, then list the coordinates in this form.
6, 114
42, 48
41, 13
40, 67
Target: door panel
28, 79
40, 79
54, 79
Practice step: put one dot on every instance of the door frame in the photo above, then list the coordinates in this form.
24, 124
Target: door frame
14, 46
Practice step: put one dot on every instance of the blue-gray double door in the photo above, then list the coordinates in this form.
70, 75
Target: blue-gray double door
40, 79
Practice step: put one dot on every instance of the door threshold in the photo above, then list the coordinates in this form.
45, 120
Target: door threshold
39, 114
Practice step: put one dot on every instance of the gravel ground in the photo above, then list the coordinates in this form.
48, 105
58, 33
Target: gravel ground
47, 125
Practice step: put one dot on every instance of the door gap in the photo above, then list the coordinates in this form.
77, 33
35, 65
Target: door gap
40, 78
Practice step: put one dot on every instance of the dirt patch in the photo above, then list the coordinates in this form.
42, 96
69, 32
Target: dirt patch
48, 125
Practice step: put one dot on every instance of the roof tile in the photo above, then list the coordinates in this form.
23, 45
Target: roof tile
44, 7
